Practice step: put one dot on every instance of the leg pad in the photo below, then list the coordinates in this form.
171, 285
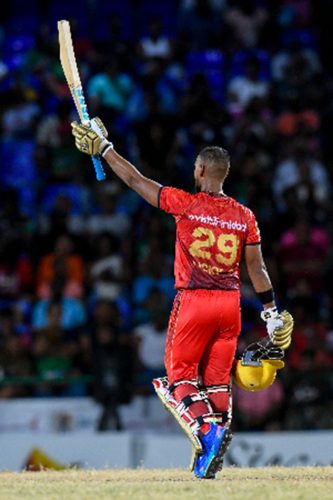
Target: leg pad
179, 411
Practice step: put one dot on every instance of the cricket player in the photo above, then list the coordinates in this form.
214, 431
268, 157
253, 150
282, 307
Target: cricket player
213, 232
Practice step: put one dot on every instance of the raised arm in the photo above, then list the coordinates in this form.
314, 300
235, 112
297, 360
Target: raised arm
94, 141
147, 188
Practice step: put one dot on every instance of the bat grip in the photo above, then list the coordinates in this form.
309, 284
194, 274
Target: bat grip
100, 174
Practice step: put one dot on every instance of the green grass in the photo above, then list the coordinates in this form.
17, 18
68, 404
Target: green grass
269, 483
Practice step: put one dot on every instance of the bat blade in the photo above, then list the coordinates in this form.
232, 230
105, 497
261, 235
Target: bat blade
71, 72
67, 56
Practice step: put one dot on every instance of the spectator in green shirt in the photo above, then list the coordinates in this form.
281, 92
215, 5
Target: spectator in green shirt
110, 89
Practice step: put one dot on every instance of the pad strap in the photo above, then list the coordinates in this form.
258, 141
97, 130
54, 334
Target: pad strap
173, 386
213, 389
191, 398
224, 418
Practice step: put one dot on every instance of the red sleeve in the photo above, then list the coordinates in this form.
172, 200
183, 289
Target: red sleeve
174, 201
253, 233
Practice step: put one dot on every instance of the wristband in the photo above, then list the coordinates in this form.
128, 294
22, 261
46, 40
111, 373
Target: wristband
266, 297
104, 147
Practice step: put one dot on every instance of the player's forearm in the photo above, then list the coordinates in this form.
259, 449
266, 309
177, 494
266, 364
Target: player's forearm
260, 278
122, 168
261, 281
145, 187
258, 274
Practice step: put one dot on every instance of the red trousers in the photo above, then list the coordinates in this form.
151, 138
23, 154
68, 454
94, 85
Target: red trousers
201, 342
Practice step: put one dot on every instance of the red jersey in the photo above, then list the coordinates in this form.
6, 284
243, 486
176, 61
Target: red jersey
211, 231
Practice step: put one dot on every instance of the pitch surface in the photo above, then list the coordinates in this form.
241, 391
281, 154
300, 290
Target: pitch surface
275, 483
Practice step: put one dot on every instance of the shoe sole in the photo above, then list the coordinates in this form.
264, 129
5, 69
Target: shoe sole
217, 461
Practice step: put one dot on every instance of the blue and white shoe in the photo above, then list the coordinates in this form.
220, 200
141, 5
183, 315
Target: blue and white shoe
215, 443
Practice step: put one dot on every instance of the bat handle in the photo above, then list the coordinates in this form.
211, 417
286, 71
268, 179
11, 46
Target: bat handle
100, 174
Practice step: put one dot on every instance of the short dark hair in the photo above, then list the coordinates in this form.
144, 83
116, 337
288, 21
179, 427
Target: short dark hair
215, 155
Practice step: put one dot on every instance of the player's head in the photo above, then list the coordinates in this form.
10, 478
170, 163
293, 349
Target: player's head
212, 163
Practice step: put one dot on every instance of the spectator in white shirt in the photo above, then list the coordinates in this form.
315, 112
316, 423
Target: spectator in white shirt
242, 89
109, 219
303, 177
151, 338
155, 44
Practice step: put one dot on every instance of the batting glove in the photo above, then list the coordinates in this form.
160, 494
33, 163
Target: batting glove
279, 326
91, 139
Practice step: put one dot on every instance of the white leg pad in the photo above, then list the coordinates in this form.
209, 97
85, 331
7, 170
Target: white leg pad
179, 411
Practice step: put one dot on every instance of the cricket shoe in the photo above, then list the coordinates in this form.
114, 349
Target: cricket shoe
215, 443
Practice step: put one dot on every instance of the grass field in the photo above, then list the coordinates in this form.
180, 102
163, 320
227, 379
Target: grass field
270, 483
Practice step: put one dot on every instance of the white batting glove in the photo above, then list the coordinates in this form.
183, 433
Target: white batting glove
272, 318
279, 326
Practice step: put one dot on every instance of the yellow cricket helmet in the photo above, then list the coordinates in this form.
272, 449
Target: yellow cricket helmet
258, 376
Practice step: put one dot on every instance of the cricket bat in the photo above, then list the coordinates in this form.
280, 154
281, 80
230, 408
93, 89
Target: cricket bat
71, 72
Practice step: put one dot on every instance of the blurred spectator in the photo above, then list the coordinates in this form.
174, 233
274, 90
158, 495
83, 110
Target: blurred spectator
107, 271
12, 222
109, 91
253, 131
15, 359
282, 61
73, 313
16, 273
310, 334
309, 396
154, 153
151, 344
156, 96
242, 89
62, 217
246, 20
297, 119
55, 129
303, 250
300, 180
205, 121
52, 354
155, 44
61, 271
294, 13
109, 218
154, 274
113, 356
200, 24
3, 70
300, 73
54, 134
19, 119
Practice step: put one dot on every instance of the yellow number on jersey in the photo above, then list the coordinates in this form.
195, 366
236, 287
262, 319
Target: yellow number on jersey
227, 244
199, 247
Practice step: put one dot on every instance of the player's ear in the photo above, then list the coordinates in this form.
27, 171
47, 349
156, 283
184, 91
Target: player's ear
202, 169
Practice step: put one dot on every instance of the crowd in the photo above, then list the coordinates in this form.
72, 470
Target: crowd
86, 278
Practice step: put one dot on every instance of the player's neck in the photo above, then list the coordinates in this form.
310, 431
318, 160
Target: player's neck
212, 187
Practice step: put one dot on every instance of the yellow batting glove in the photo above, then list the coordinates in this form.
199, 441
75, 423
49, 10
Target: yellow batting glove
91, 139
282, 335
279, 326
